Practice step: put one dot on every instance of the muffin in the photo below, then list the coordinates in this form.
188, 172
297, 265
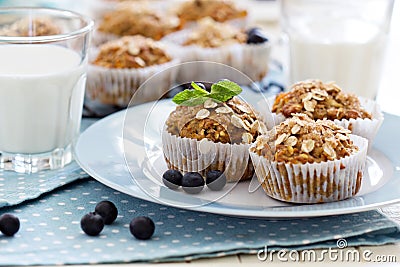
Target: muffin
218, 10
212, 135
213, 41
306, 161
31, 27
120, 67
131, 18
320, 100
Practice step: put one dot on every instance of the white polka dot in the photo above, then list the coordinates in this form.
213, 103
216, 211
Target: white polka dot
306, 241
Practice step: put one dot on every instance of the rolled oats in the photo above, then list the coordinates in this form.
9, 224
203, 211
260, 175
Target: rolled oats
247, 138
291, 141
319, 100
223, 110
209, 103
281, 138
307, 146
296, 128
315, 141
202, 114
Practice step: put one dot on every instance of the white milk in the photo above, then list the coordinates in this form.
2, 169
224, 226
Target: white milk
41, 97
349, 52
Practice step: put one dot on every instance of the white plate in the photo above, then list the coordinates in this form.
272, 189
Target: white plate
100, 152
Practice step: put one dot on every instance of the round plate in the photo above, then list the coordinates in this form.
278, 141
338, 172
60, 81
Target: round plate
123, 151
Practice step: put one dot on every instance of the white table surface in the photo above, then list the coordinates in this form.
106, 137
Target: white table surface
266, 14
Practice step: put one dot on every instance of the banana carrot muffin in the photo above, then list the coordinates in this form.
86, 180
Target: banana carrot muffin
319, 100
130, 18
212, 134
219, 10
213, 41
31, 27
307, 161
121, 66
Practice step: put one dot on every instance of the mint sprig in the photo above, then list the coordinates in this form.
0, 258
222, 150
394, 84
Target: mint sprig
220, 92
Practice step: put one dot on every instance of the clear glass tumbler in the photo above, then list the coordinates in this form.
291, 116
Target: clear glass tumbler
337, 40
43, 63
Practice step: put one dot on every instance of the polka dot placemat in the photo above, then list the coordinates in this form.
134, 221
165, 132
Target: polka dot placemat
17, 187
50, 231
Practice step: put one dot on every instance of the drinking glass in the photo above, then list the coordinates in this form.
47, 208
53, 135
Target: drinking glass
42, 81
337, 40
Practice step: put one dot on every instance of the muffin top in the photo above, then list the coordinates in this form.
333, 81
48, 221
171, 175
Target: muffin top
232, 121
319, 100
130, 18
219, 10
209, 33
131, 52
31, 27
300, 139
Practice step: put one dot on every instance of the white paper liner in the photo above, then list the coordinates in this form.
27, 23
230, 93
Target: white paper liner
366, 128
190, 155
313, 182
251, 59
117, 86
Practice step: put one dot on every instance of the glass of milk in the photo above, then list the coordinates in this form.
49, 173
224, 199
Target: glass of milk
43, 58
337, 40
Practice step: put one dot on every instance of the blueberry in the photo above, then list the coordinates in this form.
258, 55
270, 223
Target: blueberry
142, 227
192, 183
252, 30
9, 224
107, 210
172, 179
256, 37
215, 180
92, 224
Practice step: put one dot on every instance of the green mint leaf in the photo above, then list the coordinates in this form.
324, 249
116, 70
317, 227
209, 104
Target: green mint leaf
196, 87
221, 91
190, 97
224, 90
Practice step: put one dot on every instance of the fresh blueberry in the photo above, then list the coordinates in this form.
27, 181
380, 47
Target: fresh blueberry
256, 37
107, 210
172, 179
215, 180
92, 224
192, 183
142, 227
252, 30
9, 224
